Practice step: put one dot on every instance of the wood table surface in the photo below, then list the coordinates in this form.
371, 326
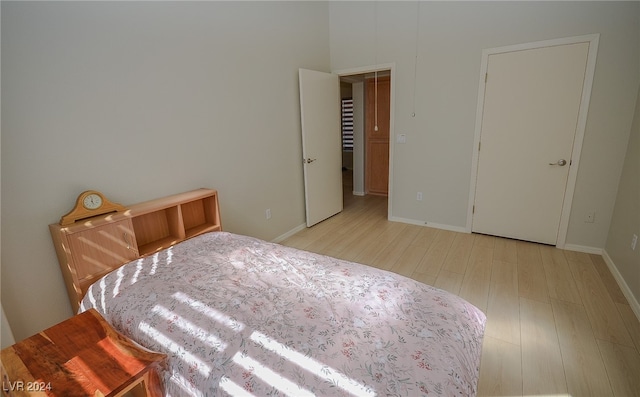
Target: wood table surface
82, 356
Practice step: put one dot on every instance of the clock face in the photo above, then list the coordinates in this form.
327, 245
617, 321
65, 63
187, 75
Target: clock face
92, 201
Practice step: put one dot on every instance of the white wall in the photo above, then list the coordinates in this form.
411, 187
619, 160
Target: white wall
448, 38
626, 216
141, 100
6, 335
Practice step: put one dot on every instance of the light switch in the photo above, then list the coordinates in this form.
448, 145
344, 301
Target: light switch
401, 138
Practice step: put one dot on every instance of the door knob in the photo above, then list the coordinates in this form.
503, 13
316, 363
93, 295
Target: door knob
561, 163
309, 160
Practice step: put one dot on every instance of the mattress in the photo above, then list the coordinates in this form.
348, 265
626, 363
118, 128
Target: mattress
240, 316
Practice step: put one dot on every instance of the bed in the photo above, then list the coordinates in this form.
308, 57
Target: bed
240, 316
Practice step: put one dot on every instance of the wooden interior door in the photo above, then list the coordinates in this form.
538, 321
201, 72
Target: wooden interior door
377, 113
531, 105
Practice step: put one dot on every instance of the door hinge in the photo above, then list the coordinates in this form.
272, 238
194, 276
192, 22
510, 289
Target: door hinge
479, 144
473, 210
486, 77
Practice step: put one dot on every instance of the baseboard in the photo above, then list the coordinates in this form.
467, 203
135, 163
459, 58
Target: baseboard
458, 229
582, 248
355, 193
633, 302
289, 233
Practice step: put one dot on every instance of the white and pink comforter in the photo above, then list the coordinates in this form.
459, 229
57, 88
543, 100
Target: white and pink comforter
240, 316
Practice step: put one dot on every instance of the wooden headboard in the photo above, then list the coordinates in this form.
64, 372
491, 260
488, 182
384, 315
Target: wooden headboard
90, 248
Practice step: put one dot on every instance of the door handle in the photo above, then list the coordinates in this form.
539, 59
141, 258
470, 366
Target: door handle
561, 163
309, 160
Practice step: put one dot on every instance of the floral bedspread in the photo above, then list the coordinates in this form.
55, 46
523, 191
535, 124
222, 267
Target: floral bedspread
240, 316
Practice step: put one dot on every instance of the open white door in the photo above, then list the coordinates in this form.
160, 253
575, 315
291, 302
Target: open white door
321, 144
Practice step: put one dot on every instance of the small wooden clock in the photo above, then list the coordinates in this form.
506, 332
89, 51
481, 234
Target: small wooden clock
90, 203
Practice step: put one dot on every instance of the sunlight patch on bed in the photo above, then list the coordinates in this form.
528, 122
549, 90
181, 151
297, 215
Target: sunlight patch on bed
116, 288
209, 311
169, 253
321, 370
154, 265
134, 279
103, 288
190, 328
270, 377
232, 388
92, 300
178, 350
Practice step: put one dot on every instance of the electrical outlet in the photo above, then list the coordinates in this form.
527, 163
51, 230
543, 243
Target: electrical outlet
634, 242
419, 196
591, 217
267, 213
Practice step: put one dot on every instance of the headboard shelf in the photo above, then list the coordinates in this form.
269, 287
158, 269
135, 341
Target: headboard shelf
200, 229
158, 245
90, 248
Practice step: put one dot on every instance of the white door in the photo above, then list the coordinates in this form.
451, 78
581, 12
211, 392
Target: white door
321, 144
531, 104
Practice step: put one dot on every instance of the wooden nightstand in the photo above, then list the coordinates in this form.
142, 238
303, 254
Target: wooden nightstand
82, 356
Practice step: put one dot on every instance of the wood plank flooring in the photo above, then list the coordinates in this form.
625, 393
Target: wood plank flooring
557, 322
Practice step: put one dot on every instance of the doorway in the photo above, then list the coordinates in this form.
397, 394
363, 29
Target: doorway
367, 164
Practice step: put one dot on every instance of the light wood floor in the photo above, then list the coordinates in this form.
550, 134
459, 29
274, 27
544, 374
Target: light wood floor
557, 322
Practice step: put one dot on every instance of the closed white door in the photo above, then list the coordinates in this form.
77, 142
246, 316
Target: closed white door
321, 144
531, 105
